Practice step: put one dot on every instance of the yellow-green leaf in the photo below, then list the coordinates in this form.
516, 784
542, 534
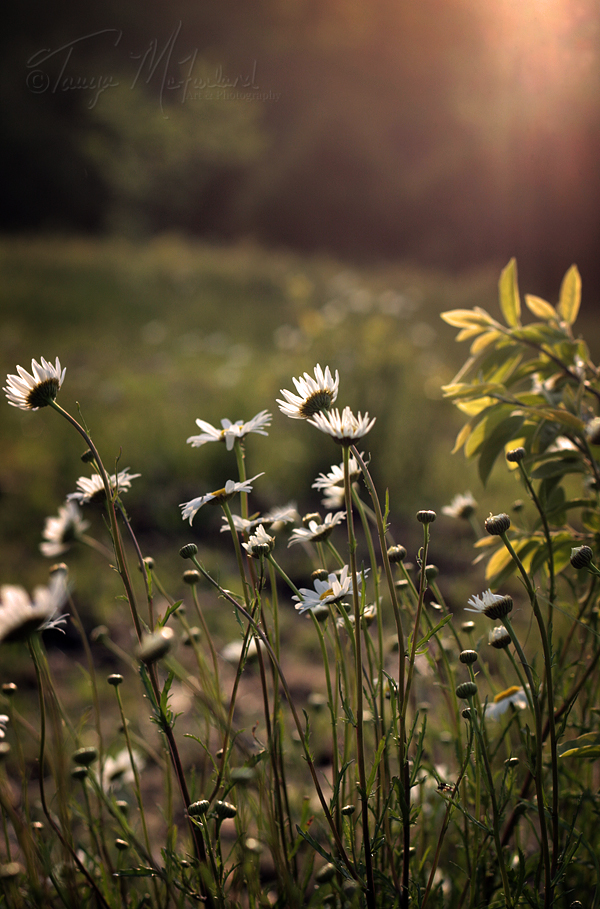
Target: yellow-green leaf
508, 288
484, 340
540, 308
570, 295
466, 333
466, 318
564, 418
462, 437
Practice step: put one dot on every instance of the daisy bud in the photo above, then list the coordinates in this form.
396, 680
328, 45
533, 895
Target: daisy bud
4, 751
499, 608
515, 455
115, 679
576, 904
225, 810
10, 870
592, 431
431, 572
79, 773
511, 762
518, 505
121, 845
426, 516
85, 756
581, 556
193, 637
348, 810
155, 646
189, 550
197, 809
325, 874
468, 657
466, 713
191, 577
123, 806
466, 690
149, 563
9, 689
320, 574
88, 456
396, 554
497, 524
468, 627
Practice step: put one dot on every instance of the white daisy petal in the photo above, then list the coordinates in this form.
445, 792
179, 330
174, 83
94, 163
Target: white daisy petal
190, 509
30, 392
344, 428
314, 395
21, 617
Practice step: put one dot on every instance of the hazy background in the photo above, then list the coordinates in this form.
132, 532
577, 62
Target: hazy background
444, 132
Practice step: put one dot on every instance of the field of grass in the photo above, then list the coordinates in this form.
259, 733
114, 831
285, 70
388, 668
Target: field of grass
156, 335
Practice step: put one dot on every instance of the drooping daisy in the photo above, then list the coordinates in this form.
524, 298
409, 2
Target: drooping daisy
230, 431
513, 695
30, 392
332, 590
91, 489
332, 483
20, 617
314, 395
345, 428
60, 532
259, 543
316, 532
280, 515
190, 508
493, 605
462, 506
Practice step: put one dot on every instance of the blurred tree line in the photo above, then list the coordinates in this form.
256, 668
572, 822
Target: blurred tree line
447, 132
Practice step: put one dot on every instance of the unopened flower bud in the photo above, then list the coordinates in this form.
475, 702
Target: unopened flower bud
499, 638
189, 550
88, 456
155, 646
9, 689
592, 431
431, 572
468, 657
320, 574
115, 679
225, 810
197, 809
468, 627
466, 690
325, 874
396, 554
581, 556
121, 845
4, 751
149, 562
192, 577
511, 762
85, 756
79, 773
466, 713
426, 516
348, 810
499, 608
312, 516
515, 455
497, 524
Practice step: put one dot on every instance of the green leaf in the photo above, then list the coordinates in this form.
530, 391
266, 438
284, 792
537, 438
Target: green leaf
570, 295
490, 418
540, 308
493, 445
558, 467
467, 318
510, 303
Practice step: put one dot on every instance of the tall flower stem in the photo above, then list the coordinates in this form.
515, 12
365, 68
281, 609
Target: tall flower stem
551, 869
360, 744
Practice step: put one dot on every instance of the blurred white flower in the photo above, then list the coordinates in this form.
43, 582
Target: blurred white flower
30, 392
284, 514
314, 395
91, 489
344, 427
60, 532
316, 532
20, 617
189, 509
3, 723
230, 431
335, 477
513, 695
462, 506
117, 771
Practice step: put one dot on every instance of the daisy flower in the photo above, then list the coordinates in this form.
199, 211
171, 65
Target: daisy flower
335, 477
190, 508
332, 590
230, 431
462, 506
493, 605
513, 695
91, 489
20, 617
61, 531
344, 427
3, 722
316, 532
281, 515
117, 771
259, 544
314, 395
30, 392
